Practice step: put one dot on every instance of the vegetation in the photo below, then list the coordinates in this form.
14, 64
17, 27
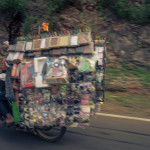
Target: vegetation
7, 7
27, 25
127, 9
55, 6
135, 102
129, 70
123, 9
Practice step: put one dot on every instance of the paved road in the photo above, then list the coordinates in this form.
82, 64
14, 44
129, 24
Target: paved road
105, 133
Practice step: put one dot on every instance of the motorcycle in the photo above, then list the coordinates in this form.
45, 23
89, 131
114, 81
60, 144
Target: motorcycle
49, 134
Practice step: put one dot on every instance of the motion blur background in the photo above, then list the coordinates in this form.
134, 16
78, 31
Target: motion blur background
126, 26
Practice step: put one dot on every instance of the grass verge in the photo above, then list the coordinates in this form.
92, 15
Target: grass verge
127, 104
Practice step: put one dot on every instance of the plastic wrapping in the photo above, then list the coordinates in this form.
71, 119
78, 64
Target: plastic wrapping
71, 50
12, 48
79, 50
45, 43
84, 38
100, 55
20, 46
37, 53
99, 43
88, 49
29, 54
45, 52
45, 107
36, 44
18, 71
56, 51
28, 46
55, 41
99, 76
18, 57
10, 57
64, 51
15, 57
72, 62
55, 71
74, 40
14, 69
28, 74
64, 41
38, 67
87, 64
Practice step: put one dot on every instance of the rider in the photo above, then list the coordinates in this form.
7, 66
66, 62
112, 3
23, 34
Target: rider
14, 31
4, 107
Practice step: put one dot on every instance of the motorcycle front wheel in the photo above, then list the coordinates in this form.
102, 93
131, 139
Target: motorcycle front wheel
52, 134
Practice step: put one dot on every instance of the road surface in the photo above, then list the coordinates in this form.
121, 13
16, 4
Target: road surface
105, 133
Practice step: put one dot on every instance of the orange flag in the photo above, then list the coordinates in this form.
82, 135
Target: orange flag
45, 26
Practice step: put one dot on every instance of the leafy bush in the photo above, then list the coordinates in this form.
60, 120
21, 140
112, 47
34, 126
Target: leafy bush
7, 7
55, 6
121, 9
28, 23
52, 24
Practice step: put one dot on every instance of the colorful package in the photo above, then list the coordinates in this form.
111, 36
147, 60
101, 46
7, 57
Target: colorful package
64, 41
99, 43
45, 43
71, 50
55, 70
10, 57
74, 40
38, 68
88, 49
28, 46
79, 50
87, 64
20, 46
64, 51
56, 51
12, 48
100, 55
18, 57
84, 38
36, 44
72, 62
28, 74
55, 41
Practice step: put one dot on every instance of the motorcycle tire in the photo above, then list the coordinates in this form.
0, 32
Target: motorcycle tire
43, 134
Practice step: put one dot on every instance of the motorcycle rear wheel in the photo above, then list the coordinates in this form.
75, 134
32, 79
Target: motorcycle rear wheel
51, 134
